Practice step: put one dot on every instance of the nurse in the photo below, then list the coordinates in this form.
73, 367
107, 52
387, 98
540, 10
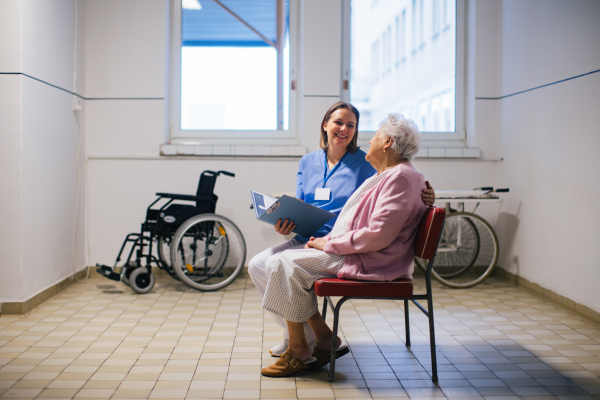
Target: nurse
326, 179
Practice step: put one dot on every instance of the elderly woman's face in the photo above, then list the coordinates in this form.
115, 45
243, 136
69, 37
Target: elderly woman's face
340, 128
376, 146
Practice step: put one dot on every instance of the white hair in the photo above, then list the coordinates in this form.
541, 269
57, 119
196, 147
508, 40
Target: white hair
404, 133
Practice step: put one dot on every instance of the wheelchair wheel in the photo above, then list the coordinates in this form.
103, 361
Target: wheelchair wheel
208, 252
467, 253
141, 281
131, 266
164, 254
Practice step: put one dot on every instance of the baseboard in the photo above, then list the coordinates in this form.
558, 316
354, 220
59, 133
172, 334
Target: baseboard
550, 295
23, 307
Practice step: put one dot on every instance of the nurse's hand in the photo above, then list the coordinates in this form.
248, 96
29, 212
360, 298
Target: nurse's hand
428, 195
316, 243
284, 228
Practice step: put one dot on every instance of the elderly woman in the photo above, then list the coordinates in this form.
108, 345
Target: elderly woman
372, 239
326, 179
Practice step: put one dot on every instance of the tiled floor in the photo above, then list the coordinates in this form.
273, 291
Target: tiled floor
99, 340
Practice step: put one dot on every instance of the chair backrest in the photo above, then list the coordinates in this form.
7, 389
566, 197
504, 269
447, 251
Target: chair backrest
206, 186
429, 233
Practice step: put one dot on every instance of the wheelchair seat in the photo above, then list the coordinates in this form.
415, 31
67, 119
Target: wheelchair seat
170, 216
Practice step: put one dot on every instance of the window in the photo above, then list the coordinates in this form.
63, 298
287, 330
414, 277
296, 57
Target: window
375, 61
403, 42
232, 69
436, 20
413, 36
428, 86
387, 50
400, 37
446, 14
421, 23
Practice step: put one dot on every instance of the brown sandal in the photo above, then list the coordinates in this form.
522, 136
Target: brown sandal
287, 365
324, 356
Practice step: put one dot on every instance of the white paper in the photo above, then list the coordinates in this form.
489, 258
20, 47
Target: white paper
261, 202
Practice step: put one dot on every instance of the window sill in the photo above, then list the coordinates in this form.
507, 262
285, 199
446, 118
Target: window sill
440, 149
449, 152
169, 149
438, 152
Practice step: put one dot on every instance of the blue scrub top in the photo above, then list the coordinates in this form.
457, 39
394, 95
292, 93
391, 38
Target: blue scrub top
347, 176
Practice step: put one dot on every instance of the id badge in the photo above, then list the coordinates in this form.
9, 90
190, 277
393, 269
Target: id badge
323, 194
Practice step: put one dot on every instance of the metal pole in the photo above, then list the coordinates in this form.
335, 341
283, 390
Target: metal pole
263, 37
280, 44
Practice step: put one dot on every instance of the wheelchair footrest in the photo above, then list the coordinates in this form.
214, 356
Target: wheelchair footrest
107, 272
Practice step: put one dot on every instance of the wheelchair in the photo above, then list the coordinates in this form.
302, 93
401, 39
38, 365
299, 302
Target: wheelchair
204, 250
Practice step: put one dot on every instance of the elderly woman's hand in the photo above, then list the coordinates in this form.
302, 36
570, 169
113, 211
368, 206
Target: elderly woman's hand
284, 228
316, 243
428, 195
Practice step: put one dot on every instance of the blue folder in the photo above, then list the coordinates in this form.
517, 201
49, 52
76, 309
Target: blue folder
308, 218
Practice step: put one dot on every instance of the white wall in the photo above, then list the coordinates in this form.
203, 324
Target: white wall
483, 76
549, 222
125, 43
39, 177
10, 151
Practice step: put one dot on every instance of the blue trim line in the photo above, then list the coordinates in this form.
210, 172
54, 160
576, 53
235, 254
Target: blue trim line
78, 95
537, 87
39, 80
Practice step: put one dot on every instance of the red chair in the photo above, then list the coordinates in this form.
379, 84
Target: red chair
426, 244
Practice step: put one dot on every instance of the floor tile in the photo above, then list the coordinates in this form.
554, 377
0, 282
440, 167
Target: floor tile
494, 342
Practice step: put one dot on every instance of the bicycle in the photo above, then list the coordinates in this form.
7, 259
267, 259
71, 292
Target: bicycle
468, 249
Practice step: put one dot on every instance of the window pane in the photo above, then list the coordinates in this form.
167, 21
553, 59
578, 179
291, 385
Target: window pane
421, 83
228, 71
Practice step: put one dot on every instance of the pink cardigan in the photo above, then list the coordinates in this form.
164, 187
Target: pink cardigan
379, 244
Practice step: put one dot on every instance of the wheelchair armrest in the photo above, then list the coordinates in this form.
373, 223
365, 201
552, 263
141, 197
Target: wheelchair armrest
186, 197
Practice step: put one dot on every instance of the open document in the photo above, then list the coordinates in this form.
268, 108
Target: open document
308, 219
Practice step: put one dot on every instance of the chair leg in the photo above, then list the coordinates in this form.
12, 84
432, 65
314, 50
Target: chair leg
434, 376
406, 323
324, 313
336, 320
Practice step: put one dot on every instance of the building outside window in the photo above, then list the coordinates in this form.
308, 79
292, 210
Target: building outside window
424, 87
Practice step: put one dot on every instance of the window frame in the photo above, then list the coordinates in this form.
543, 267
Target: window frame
429, 138
177, 135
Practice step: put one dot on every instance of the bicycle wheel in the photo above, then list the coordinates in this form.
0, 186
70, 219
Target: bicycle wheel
164, 254
467, 253
208, 252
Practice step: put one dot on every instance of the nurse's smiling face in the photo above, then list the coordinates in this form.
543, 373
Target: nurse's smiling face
340, 128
